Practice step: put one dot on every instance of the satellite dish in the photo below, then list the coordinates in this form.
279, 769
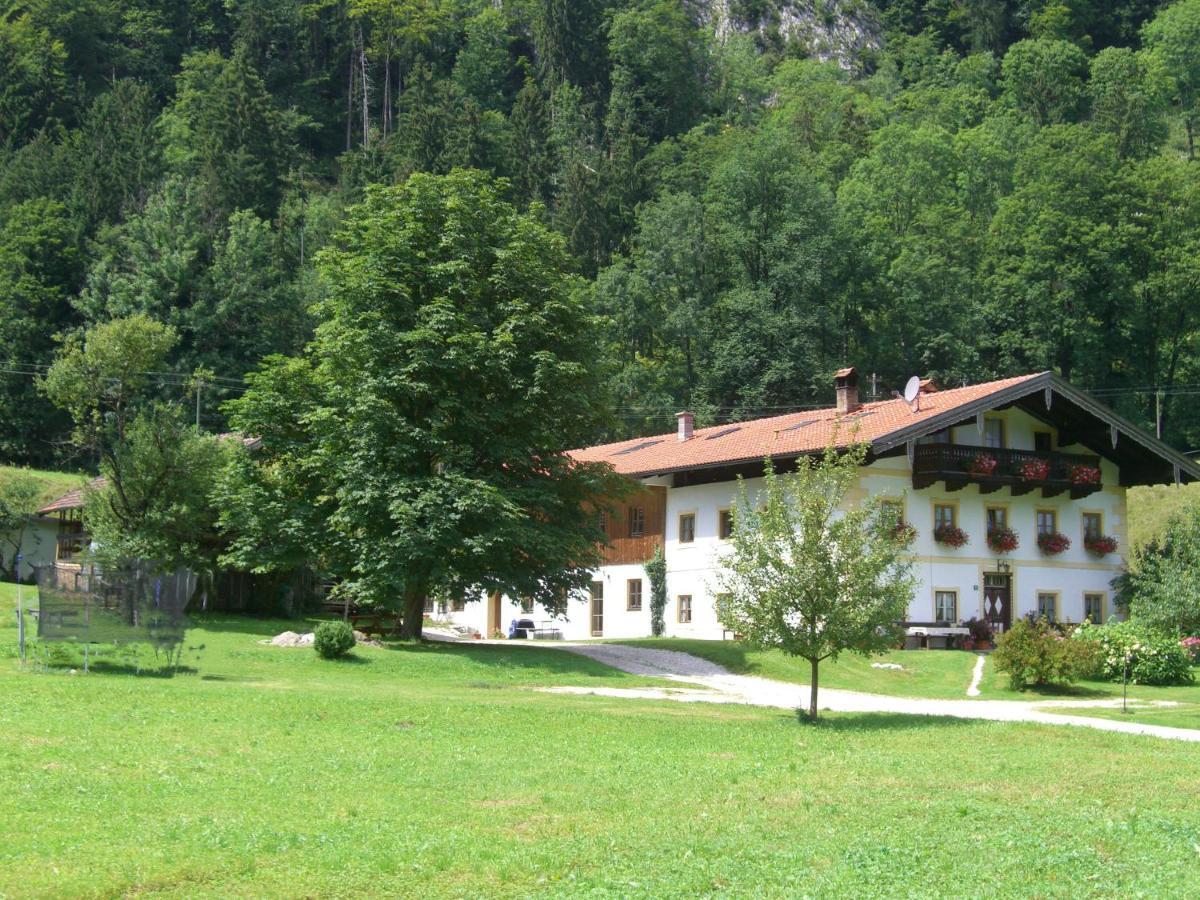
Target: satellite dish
912, 390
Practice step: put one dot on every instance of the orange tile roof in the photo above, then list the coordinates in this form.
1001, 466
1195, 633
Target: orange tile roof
783, 436
72, 499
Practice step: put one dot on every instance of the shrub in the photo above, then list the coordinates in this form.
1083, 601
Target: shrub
333, 639
1033, 653
1154, 657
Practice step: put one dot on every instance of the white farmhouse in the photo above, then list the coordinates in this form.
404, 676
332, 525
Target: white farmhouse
1030, 460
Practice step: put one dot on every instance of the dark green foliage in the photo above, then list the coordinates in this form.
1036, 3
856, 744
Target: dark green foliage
1036, 654
656, 572
333, 640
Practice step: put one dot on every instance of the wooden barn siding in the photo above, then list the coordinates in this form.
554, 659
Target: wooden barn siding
622, 548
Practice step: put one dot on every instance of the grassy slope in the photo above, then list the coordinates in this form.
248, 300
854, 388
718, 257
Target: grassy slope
54, 484
1150, 508
433, 771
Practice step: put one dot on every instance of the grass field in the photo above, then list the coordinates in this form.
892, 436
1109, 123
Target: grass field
435, 770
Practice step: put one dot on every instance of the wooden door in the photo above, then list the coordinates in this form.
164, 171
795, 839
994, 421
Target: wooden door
597, 611
997, 600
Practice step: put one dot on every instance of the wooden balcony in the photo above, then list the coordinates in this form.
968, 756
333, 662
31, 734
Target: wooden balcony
961, 464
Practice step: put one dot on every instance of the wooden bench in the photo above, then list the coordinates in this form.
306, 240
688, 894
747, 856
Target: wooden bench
381, 622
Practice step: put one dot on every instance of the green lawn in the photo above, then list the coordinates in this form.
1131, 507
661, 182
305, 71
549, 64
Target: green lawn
53, 484
434, 770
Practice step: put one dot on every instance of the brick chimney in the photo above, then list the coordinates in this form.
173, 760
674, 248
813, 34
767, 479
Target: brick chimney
846, 382
686, 423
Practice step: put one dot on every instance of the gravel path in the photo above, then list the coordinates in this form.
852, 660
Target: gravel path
718, 685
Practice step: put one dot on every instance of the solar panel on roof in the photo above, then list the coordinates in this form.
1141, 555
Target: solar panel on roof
799, 425
723, 432
636, 447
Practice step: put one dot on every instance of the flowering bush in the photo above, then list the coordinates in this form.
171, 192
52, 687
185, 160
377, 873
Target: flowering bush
1154, 657
1054, 543
1100, 546
1003, 540
1191, 646
983, 464
1035, 470
950, 535
1034, 653
904, 532
1085, 475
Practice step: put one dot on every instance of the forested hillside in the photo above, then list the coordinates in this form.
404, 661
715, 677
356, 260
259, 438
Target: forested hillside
754, 192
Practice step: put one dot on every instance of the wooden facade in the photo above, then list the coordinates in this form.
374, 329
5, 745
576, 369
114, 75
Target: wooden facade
636, 527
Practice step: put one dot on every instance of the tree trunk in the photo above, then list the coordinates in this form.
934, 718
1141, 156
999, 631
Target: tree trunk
812, 691
414, 611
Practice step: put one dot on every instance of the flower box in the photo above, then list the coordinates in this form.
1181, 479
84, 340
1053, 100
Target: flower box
1003, 540
1085, 475
983, 464
1054, 543
1034, 470
1100, 546
950, 535
904, 532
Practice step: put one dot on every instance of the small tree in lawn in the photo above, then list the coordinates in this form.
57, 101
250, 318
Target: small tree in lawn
810, 574
20, 497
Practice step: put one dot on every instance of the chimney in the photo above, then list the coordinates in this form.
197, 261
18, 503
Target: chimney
846, 382
686, 422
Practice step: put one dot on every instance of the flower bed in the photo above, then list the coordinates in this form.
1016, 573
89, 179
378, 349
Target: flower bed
1100, 546
1085, 475
1053, 543
950, 535
1035, 470
1003, 540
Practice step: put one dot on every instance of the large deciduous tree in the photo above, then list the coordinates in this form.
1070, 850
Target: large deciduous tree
455, 364
809, 571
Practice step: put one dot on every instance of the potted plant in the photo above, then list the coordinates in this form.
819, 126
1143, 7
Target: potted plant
1003, 540
983, 464
1100, 546
1085, 475
1035, 470
1053, 543
950, 535
980, 633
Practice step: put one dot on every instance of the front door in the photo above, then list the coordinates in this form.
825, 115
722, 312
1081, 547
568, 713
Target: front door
997, 600
597, 608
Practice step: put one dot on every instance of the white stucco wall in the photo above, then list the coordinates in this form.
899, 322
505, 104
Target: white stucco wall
37, 547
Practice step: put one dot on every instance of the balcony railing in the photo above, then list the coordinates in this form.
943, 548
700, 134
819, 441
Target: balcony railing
961, 464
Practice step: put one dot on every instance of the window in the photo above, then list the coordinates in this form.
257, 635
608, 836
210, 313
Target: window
1047, 606
945, 606
633, 594
1047, 521
637, 521
945, 515
997, 517
428, 608
726, 524
1093, 608
687, 528
1093, 526
993, 433
1043, 441
893, 510
458, 604
602, 520
685, 608
526, 604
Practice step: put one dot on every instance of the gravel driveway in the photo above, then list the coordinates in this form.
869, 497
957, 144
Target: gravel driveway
711, 683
